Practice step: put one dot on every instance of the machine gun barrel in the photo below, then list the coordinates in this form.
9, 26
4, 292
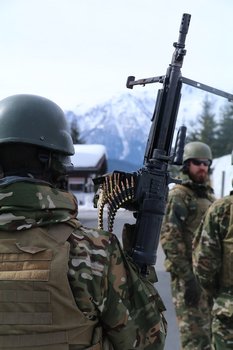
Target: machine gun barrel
153, 179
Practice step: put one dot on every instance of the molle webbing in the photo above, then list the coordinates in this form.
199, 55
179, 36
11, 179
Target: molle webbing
18, 265
56, 340
33, 340
23, 296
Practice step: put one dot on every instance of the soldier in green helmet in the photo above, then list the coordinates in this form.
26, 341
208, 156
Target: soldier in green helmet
187, 203
62, 286
213, 266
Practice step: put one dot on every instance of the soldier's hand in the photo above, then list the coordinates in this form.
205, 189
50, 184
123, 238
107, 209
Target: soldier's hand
128, 237
192, 292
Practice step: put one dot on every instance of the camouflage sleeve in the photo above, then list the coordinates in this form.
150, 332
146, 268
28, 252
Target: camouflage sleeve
207, 246
172, 237
107, 287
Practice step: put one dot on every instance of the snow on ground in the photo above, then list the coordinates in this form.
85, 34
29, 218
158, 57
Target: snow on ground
222, 176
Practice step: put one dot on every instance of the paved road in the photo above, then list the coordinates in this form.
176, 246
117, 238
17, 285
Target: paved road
89, 219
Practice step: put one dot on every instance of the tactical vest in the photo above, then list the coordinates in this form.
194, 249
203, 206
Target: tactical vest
197, 207
37, 307
227, 260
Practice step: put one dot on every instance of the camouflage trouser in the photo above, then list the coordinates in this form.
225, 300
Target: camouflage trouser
222, 331
194, 322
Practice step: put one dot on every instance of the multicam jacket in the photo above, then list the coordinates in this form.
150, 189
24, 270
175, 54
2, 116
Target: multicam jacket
185, 207
108, 292
213, 255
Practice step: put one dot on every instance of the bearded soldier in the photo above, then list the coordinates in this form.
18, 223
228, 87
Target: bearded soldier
186, 206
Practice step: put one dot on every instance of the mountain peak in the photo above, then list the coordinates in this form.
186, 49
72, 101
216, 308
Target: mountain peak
122, 123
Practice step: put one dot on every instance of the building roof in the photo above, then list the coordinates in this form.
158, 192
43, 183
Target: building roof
88, 156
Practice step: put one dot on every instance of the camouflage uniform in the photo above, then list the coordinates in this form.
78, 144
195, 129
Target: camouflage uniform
212, 262
185, 207
109, 294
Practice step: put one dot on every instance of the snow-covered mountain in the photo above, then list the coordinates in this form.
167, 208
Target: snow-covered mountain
122, 123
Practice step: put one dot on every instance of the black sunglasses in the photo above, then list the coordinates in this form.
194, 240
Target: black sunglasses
201, 161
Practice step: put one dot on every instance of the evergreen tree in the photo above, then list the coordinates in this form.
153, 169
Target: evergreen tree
225, 129
204, 129
75, 133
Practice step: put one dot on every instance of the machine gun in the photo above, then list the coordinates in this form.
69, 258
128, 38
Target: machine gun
145, 191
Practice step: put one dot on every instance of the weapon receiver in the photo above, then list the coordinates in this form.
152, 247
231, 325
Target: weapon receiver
145, 191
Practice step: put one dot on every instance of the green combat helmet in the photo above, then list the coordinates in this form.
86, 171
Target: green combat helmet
34, 120
197, 149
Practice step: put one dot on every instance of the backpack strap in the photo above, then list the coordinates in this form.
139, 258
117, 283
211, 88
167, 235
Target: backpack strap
62, 231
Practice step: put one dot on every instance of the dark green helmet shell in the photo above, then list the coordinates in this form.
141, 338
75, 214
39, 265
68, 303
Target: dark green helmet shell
34, 120
197, 149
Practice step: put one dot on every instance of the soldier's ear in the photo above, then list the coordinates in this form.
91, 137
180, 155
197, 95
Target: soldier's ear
185, 167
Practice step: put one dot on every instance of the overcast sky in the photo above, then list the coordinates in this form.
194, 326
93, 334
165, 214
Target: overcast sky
81, 51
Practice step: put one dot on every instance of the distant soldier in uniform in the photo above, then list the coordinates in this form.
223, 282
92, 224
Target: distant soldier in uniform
187, 202
62, 286
213, 265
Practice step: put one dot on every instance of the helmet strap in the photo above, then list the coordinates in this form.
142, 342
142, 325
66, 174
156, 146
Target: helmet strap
54, 168
45, 158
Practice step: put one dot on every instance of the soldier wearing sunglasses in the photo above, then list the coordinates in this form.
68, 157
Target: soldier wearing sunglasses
187, 203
